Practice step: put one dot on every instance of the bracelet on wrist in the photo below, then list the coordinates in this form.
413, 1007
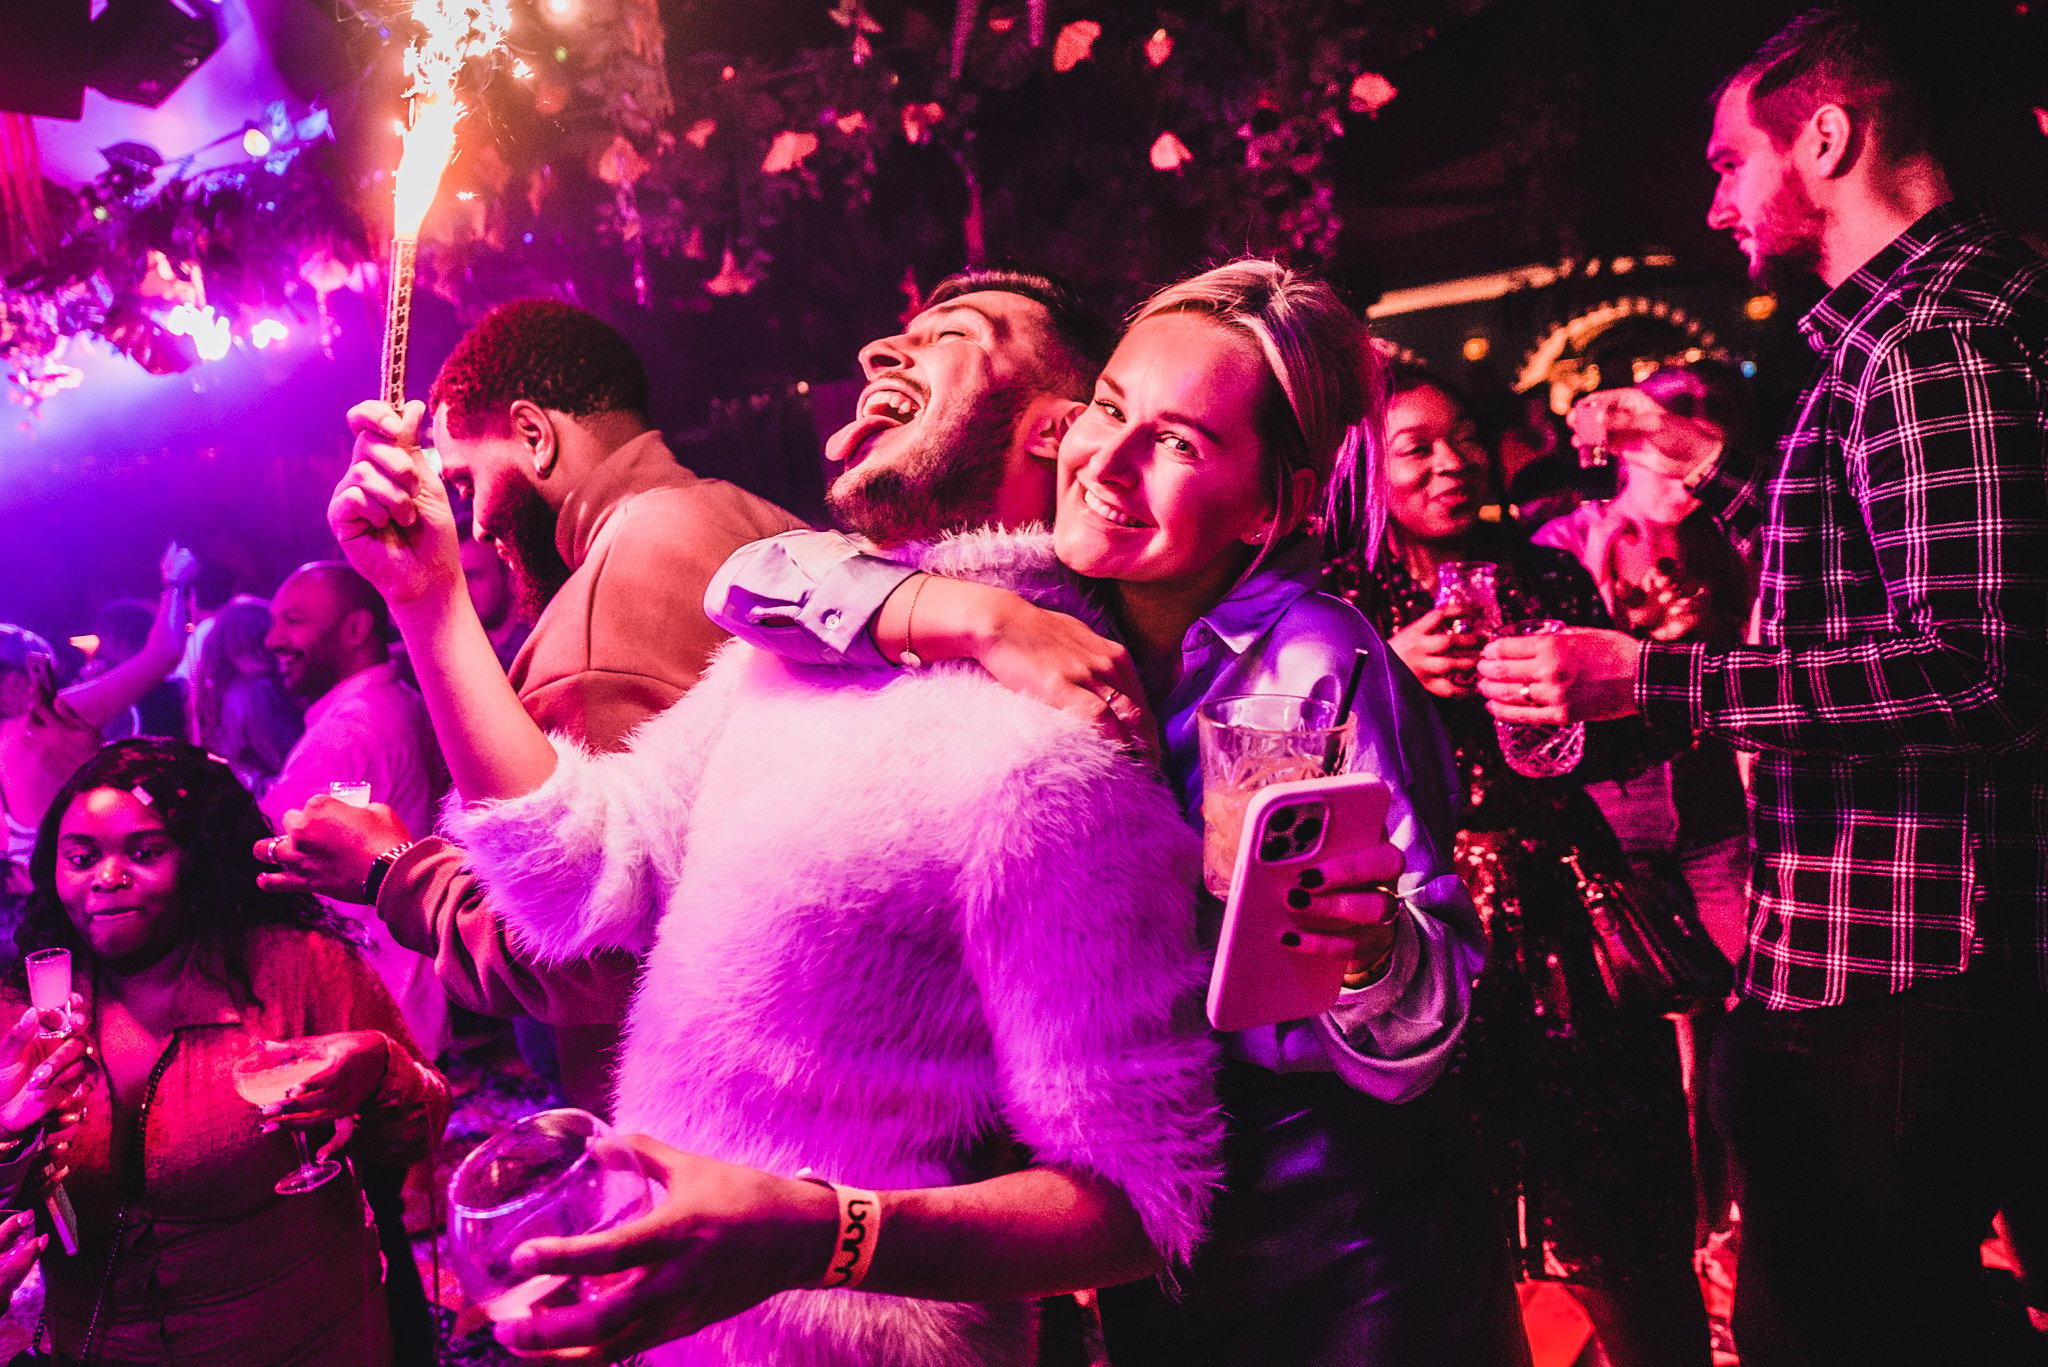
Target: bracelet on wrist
860, 1225
908, 655
1365, 976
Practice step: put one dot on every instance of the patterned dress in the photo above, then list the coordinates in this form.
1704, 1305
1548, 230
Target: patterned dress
1579, 1102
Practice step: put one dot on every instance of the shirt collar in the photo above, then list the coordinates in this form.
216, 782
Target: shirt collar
354, 686
641, 464
1836, 315
200, 998
1290, 571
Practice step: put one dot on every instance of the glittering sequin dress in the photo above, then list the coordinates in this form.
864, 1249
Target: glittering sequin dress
1579, 1102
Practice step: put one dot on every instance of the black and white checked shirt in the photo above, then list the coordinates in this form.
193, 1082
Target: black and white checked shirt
1899, 694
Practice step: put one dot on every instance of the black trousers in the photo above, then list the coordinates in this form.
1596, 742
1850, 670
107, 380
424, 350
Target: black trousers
1350, 1233
1873, 1143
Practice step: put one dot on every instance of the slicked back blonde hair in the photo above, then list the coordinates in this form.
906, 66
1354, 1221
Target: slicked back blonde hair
1323, 411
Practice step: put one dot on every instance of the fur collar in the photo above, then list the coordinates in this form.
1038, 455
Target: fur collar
1020, 560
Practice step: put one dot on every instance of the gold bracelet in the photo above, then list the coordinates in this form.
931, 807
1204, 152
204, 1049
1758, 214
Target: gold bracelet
1356, 978
908, 655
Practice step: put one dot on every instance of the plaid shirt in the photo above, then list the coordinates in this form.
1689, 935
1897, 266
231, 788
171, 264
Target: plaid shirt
1899, 695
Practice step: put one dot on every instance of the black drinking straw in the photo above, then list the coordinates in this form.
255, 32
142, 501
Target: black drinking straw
1344, 703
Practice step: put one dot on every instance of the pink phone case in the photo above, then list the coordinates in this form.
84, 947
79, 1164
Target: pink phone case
1288, 828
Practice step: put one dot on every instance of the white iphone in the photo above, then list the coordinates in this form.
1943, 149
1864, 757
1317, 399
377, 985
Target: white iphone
1288, 829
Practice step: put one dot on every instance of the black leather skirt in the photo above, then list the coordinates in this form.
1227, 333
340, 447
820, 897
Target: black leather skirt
1351, 1233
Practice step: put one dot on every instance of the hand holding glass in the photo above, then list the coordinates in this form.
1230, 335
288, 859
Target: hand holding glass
265, 1076
555, 1174
1540, 751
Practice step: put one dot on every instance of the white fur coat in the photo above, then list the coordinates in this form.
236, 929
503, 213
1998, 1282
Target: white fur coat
893, 922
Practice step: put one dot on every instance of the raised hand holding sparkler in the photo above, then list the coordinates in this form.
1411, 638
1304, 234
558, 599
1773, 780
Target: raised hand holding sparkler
391, 512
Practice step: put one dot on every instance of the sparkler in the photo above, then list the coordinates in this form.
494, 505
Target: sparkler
452, 32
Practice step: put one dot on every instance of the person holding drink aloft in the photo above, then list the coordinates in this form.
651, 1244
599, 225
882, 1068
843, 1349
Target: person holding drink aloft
144, 868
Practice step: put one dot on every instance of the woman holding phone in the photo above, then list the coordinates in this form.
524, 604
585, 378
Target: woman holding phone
1236, 419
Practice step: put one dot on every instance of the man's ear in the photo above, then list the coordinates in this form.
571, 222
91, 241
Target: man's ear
1049, 428
356, 627
535, 430
1834, 138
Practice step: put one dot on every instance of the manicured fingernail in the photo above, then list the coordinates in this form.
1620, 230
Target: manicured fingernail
1297, 899
267, 1129
1311, 878
42, 1075
1290, 939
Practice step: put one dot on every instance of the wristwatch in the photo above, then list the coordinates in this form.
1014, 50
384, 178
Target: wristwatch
380, 867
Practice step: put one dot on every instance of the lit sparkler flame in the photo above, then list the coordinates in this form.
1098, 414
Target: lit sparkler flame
452, 33
427, 147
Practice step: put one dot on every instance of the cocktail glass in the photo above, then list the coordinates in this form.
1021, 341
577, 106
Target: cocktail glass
265, 1076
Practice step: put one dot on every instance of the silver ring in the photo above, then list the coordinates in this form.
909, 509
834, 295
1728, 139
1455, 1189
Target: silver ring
1528, 693
270, 850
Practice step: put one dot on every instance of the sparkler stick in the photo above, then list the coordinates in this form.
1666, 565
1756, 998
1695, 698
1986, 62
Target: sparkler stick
451, 33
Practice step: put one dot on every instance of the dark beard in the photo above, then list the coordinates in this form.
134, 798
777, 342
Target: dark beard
947, 483
528, 541
1788, 240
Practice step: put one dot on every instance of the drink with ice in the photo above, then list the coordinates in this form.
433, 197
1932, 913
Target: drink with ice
1249, 742
559, 1173
1223, 809
49, 984
354, 793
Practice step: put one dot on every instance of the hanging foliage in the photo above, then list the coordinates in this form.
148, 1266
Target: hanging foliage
804, 177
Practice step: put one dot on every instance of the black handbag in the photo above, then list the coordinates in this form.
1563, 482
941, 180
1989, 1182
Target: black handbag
1652, 952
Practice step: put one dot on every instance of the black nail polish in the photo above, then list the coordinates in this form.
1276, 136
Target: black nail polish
1297, 899
1290, 939
1312, 878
